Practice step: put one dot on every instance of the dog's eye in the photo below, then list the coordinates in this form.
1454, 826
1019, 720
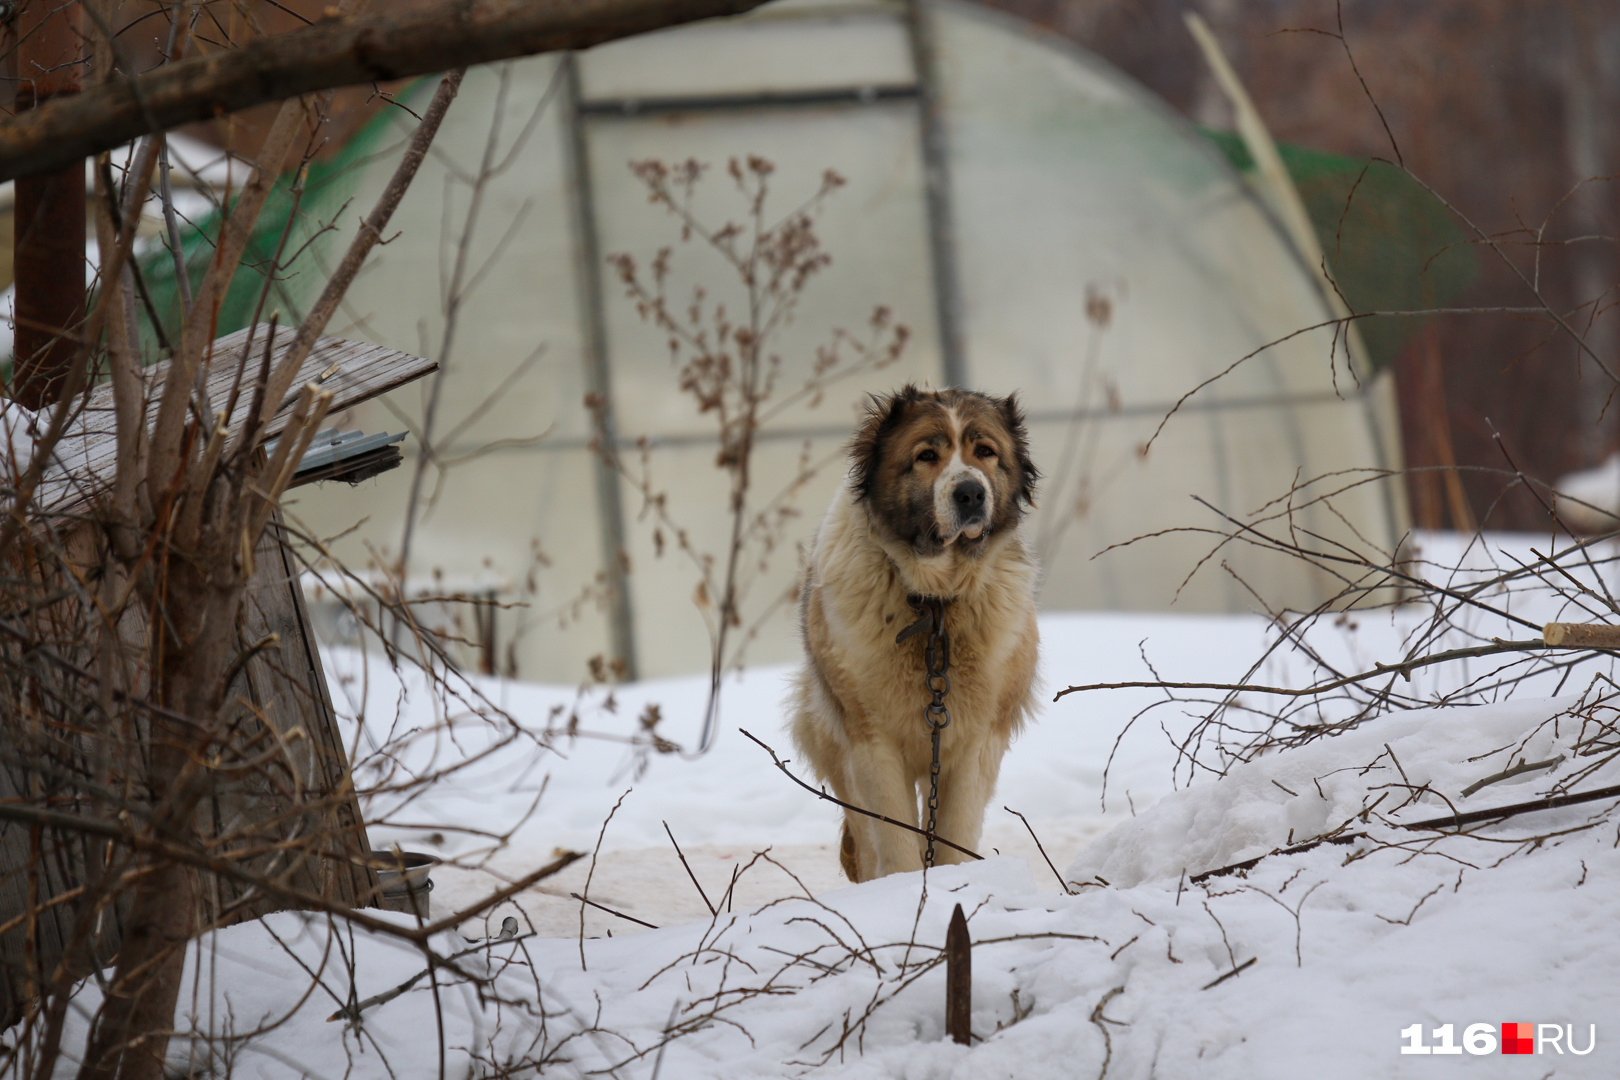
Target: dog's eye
984, 450
928, 455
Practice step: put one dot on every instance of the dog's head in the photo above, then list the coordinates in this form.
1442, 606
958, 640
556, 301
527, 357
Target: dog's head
939, 469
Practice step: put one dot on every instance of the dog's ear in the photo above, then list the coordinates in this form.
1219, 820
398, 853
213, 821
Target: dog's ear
884, 412
1013, 416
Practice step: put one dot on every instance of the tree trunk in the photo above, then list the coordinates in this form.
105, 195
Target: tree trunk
192, 635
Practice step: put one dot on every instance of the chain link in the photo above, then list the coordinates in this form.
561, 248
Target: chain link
937, 662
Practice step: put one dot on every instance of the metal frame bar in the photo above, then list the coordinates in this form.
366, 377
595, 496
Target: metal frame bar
1042, 416
937, 190
838, 95
598, 377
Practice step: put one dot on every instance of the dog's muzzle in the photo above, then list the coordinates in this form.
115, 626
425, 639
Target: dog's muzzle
970, 502
969, 498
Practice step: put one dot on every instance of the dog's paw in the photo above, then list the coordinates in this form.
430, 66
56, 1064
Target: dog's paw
846, 855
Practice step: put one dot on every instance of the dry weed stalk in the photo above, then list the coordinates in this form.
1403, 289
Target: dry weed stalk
725, 360
1469, 631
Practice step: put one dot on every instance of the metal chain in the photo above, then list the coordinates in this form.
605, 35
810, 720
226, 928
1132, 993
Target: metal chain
937, 662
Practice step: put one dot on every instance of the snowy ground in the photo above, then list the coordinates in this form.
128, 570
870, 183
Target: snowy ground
1127, 970
724, 807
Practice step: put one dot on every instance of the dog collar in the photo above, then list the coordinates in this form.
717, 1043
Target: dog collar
927, 609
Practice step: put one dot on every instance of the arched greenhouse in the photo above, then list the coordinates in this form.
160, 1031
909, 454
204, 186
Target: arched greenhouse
1035, 220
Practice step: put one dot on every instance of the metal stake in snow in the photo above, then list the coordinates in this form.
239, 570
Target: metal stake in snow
958, 979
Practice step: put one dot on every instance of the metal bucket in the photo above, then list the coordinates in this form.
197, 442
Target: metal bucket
404, 881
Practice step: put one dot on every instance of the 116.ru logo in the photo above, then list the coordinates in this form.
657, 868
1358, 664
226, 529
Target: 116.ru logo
1482, 1039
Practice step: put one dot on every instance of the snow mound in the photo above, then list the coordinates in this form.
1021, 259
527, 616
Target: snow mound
1598, 492
1296, 795
1132, 982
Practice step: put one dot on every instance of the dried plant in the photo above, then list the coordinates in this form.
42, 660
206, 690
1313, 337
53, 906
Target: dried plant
1470, 627
169, 761
725, 360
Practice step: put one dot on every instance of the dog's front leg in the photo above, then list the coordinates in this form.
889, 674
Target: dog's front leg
965, 788
879, 783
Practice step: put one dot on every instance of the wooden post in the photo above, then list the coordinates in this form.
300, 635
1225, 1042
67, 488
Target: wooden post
958, 979
49, 217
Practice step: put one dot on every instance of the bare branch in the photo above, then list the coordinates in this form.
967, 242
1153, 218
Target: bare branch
333, 52
370, 233
780, 764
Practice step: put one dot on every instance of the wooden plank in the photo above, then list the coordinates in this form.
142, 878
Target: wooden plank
284, 713
348, 870
41, 864
84, 459
46, 759
298, 804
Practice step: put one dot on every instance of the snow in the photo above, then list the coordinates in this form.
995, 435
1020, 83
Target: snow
1307, 792
19, 429
799, 972
1593, 495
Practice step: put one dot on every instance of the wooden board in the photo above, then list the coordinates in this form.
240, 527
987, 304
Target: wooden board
305, 791
43, 760
83, 460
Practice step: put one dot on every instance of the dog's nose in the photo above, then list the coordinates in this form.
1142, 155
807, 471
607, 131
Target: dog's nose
969, 498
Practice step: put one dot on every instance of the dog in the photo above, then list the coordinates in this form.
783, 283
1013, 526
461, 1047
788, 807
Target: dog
938, 483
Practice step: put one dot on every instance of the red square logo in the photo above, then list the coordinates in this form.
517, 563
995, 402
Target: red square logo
1518, 1038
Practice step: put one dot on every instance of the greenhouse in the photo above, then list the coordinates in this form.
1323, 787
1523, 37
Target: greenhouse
1034, 220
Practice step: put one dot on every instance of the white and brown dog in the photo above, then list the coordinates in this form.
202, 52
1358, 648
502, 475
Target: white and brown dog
938, 483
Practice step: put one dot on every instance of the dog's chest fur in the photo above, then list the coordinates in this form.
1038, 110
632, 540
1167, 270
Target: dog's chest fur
857, 603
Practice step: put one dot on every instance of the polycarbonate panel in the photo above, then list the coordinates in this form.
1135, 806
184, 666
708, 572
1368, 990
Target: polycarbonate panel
527, 517
1110, 263
514, 372
672, 635
514, 358
1110, 494
874, 228
822, 47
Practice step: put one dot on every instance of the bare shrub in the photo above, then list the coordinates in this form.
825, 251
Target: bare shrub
725, 361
